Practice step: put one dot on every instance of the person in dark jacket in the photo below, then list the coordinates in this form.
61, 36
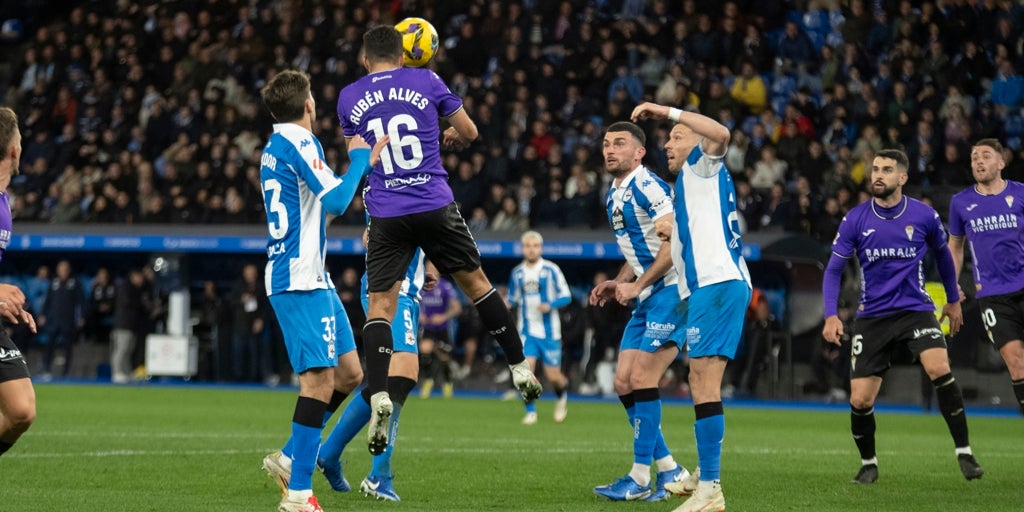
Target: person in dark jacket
63, 317
129, 311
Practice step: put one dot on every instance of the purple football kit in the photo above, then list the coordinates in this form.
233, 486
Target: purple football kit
404, 104
6, 223
435, 302
890, 244
992, 225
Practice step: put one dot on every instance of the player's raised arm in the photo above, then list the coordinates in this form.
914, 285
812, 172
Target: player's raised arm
715, 134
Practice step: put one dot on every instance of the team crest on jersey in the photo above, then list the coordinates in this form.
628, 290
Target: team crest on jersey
1009, 201
627, 195
910, 232
618, 220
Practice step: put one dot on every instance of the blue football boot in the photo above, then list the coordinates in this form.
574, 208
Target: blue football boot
624, 489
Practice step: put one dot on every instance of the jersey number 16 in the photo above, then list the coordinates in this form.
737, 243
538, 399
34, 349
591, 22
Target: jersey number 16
395, 152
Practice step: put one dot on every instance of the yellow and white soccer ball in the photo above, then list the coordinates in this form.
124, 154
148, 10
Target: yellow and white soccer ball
419, 39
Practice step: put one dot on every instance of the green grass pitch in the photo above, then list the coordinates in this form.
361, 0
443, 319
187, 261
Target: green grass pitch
181, 449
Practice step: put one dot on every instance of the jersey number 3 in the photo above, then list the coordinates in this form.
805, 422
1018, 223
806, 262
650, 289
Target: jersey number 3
275, 208
395, 152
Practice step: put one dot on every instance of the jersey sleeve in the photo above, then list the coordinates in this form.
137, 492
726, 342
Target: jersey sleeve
562, 294
447, 102
956, 219
845, 243
936, 236
703, 164
347, 128
514, 292
310, 166
656, 197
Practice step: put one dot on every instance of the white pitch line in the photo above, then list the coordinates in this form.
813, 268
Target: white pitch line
475, 451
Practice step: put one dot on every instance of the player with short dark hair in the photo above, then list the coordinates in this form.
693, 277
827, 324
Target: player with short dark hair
299, 191
636, 200
889, 235
17, 397
411, 206
990, 217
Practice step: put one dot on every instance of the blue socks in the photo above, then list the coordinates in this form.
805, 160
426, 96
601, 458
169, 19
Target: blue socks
709, 430
353, 419
307, 422
646, 424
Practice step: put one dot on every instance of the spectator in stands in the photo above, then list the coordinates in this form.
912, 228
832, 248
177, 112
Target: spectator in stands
509, 219
1007, 87
749, 90
795, 51
768, 170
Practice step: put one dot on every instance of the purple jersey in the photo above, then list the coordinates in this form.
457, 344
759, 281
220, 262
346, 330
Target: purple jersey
890, 244
6, 224
992, 225
404, 104
435, 302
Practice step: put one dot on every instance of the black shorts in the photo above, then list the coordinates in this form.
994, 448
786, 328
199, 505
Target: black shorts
874, 340
1003, 317
442, 341
12, 362
441, 233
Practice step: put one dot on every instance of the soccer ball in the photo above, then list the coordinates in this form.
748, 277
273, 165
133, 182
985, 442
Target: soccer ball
419, 39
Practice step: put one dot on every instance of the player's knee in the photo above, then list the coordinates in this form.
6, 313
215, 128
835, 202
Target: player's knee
21, 417
622, 386
348, 381
859, 402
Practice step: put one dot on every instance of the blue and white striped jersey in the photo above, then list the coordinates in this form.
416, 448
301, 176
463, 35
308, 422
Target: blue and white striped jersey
633, 206
295, 177
533, 285
706, 247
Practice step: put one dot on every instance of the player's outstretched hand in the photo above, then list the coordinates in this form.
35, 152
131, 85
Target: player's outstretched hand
955, 314
603, 292
833, 330
12, 304
648, 110
452, 139
377, 149
357, 142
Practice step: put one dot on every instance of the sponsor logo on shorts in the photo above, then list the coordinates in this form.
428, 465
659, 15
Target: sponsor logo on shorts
9, 354
692, 335
933, 332
659, 331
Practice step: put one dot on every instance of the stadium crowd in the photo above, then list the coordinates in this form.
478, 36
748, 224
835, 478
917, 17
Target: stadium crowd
147, 112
